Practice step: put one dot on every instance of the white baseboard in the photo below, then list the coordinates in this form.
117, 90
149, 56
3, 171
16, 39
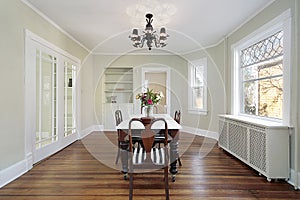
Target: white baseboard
11, 173
292, 179
110, 129
29, 161
195, 131
201, 132
89, 130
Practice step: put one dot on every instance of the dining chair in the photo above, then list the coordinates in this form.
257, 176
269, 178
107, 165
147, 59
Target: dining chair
148, 157
177, 118
119, 119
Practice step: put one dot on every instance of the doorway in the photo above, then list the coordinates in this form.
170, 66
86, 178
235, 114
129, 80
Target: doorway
50, 98
158, 79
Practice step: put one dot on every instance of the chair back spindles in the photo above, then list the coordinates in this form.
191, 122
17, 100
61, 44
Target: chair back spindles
118, 117
177, 116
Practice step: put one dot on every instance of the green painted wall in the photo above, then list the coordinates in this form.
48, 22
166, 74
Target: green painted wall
15, 17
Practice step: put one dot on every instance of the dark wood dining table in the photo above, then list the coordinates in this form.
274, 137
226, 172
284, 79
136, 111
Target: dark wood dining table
173, 128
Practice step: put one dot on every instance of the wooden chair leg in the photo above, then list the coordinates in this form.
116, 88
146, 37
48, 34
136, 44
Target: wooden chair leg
166, 183
179, 161
118, 155
130, 186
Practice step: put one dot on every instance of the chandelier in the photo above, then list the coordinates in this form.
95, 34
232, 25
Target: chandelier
149, 35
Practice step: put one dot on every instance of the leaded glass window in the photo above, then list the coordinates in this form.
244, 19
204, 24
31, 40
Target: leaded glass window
262, 77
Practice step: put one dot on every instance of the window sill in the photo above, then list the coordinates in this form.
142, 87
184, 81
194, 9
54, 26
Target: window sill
255, 121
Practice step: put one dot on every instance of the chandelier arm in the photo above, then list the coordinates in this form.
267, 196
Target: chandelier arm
142, 41
156, 40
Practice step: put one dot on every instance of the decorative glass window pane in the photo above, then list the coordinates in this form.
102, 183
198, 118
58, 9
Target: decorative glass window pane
264, 50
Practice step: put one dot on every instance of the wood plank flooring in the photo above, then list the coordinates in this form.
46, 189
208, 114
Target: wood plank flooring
85, 170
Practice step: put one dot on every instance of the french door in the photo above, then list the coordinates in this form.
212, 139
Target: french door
46, 133
50, 100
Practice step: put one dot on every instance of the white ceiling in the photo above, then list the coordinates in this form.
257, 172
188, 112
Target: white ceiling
103, 26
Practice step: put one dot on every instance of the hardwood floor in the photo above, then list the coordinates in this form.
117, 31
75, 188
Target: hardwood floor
207, 173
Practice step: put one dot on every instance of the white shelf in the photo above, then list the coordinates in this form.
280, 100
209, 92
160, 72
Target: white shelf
118, 82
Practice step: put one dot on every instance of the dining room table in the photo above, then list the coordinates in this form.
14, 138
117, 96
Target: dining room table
173, 131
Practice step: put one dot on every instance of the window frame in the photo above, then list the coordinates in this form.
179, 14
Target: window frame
191, 78
282, 22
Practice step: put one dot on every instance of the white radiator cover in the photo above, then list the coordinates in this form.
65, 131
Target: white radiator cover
262, 145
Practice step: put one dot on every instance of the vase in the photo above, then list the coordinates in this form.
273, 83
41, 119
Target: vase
149, 111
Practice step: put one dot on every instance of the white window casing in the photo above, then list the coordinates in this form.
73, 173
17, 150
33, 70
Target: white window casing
281, 23
197, 86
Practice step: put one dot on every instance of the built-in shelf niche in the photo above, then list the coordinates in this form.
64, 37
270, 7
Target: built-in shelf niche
118, 84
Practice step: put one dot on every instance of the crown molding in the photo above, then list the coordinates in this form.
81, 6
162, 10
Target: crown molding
249, 18
36, 10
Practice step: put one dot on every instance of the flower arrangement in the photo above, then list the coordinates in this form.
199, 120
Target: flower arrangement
149, 98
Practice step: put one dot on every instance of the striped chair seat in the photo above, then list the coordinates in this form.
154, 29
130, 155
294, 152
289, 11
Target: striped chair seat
157, 156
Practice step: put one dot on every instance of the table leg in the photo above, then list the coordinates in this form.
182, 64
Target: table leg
124, 147
174, 154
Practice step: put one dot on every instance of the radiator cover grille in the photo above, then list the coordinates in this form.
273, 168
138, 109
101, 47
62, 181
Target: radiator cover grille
238, 140
258, 149
266, 149
223, 133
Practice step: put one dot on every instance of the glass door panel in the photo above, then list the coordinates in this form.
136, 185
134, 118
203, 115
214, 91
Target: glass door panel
69, 114
46, 114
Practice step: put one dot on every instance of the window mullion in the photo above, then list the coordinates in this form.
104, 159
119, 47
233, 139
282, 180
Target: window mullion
263, 78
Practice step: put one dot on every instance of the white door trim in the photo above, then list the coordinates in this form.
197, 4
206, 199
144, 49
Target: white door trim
32, 42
